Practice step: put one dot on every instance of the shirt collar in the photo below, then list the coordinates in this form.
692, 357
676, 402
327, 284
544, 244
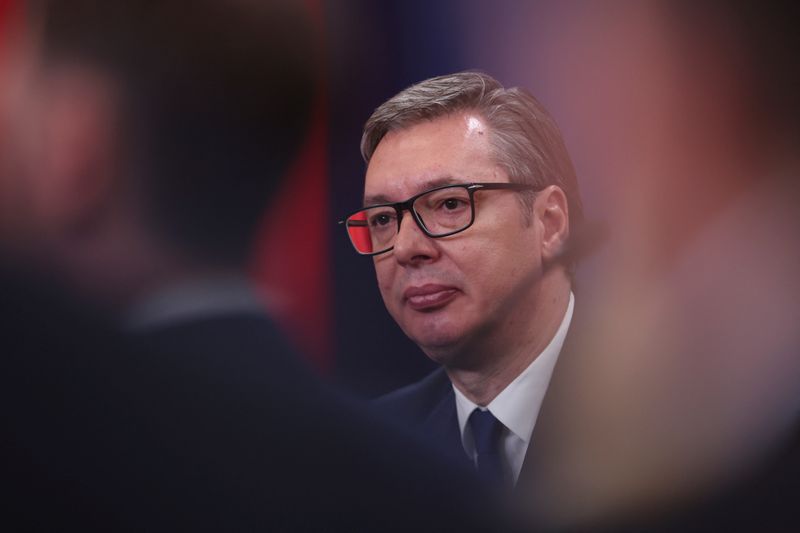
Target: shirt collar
517, 406
195, 299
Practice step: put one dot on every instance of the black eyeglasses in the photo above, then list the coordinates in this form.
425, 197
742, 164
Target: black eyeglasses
438, 212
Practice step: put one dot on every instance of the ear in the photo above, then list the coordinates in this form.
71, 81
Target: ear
551, 212
75, 184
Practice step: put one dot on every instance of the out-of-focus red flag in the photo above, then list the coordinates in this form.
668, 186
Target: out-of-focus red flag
292, 255
5, 8
6, 12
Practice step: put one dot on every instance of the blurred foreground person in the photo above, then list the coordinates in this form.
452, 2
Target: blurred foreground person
693, 383
143, 141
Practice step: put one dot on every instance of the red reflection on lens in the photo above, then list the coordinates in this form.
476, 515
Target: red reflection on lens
358, 230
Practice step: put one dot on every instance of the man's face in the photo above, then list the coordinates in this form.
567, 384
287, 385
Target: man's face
457, 294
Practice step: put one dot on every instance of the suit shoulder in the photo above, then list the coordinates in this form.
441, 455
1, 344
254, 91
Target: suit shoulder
415, 401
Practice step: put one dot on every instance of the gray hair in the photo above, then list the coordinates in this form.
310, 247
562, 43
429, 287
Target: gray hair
526, 141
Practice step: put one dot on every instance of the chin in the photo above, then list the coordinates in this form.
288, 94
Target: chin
441, 346
447, 339
440, 334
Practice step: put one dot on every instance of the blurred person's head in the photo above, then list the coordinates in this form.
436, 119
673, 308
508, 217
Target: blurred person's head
149, 135
460, 295
680, 106
689, 115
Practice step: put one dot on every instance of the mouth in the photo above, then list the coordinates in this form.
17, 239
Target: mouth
429, 297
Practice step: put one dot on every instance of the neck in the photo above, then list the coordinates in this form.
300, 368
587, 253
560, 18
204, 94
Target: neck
498, 358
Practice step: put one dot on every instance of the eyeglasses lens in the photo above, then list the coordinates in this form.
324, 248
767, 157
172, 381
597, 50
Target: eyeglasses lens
441, 212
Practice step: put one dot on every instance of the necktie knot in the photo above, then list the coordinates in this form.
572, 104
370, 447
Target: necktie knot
486, 432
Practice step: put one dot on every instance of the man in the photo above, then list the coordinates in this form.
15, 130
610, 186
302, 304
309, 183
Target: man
144, 141
469, 200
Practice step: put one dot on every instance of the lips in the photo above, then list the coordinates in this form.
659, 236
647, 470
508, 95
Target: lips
430, 296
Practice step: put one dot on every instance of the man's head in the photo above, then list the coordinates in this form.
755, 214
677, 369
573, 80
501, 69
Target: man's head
481, 287
524, 139
178, 117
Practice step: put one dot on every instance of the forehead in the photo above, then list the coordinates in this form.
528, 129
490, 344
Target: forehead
450, 149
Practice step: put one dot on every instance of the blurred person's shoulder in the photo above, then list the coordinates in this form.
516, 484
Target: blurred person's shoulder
42, 317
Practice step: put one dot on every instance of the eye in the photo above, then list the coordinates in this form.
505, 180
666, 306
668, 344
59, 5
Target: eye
451, 204
381, 219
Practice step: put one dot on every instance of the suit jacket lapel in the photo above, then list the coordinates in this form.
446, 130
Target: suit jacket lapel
441, 426
552, 407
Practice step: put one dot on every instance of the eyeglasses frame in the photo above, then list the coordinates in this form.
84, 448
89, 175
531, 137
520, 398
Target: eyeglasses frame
408, 205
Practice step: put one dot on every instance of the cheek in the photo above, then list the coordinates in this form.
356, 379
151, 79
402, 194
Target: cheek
385, 274
499, 265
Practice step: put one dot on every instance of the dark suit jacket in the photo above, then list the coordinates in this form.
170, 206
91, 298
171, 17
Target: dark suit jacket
428, 409
279, 440
205, 425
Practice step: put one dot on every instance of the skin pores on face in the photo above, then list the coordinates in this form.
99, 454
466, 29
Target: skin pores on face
463, 296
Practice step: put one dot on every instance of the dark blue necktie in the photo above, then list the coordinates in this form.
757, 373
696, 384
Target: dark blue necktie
486, 430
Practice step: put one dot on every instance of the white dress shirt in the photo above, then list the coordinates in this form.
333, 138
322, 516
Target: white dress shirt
517, 406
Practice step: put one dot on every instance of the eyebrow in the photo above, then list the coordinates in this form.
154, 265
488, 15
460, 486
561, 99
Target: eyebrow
424, 186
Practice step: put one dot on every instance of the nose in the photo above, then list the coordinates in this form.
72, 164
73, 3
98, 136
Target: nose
411, 245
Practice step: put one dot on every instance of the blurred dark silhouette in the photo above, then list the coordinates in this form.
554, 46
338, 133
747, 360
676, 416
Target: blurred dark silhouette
193, 432
152, 391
